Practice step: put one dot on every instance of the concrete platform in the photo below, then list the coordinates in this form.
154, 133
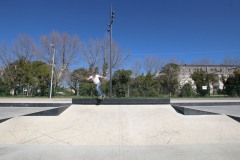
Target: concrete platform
120, 125
120, 132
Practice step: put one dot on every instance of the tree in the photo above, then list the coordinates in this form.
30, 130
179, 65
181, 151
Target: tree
231, 61
152, 64
96, 53
186, 90
150, 86
67, 48
41, 78
23, 48
91, 53
14, 75
121, 79
202, 78
136, 68
232, 84
77, 79
169, 78
5, 55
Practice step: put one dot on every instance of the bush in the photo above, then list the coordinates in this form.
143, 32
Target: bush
186, 91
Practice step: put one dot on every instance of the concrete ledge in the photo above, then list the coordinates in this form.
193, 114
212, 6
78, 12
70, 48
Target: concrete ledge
120, 101
33, 104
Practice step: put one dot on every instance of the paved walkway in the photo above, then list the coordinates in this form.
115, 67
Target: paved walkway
159, 152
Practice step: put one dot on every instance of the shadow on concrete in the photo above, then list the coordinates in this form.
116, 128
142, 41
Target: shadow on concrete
190, 111
51, 112
30, 109
235, 118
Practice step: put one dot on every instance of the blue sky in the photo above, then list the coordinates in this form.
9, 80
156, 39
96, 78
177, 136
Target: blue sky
187, 30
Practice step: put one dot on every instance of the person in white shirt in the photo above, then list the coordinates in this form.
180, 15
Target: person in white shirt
95, 78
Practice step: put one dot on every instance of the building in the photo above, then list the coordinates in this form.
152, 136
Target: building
218, 70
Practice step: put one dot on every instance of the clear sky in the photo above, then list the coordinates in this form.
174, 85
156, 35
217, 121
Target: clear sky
187, 30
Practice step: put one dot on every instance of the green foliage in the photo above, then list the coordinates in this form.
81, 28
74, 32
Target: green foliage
202, 78
30, 76
121, 80
186, 91
77, 80
137, 87
232, 85
169, 78
3, 88
41, 77
144, 86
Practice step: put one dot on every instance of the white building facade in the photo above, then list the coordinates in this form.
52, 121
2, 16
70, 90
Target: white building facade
218, 70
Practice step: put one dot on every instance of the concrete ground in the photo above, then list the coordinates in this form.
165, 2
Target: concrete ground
156, 152
120, 132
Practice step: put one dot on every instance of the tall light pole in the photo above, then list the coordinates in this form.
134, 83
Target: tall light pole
110, 31
53, 47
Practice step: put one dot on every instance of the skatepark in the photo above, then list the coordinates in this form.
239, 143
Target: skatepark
68, 129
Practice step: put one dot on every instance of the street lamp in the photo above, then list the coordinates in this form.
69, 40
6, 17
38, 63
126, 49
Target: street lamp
110, 31
53, 47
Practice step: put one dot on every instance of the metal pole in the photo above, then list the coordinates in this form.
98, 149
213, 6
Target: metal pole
110, 30
111, 57
53, 47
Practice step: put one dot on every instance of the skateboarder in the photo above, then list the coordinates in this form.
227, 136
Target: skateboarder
95, 78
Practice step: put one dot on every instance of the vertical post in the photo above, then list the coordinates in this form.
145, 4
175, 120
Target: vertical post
111, 55
53, 47
110, 31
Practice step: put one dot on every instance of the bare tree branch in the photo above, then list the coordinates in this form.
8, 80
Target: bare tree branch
153, 64
136, 68
5, 56
67, 49
24, 47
